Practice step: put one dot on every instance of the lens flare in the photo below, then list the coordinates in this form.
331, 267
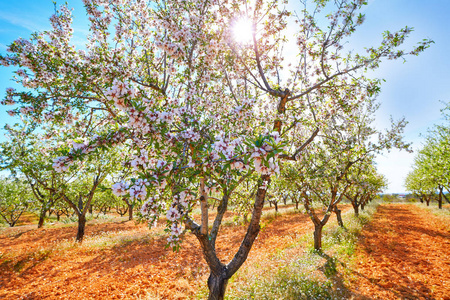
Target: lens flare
243, 31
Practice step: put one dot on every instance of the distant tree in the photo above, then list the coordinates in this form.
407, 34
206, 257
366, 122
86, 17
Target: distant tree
430, 176
15, 198
24, 154
366, 184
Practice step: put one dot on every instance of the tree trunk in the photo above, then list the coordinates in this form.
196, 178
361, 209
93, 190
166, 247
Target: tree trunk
318, 236
217, 285
296, 205
81, 226
276, 206
130, 212
339, 217
440, 198
41, 218
356, 209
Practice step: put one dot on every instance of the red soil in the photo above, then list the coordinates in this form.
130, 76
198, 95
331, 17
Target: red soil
143, 268
404, 253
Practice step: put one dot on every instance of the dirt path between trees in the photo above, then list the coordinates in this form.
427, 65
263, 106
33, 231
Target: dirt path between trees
404, 253
138, 269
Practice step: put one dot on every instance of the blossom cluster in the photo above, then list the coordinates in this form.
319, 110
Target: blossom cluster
62, 164
264, 165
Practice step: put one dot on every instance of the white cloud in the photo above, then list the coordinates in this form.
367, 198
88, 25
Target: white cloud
21, 21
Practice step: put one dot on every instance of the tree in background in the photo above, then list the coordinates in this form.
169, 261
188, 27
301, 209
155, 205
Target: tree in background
366, 183
24, 154
431, 172
15, 198
343, 148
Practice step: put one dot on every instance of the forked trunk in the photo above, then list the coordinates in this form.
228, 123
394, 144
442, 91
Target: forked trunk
318, 236
217, 285
81, 226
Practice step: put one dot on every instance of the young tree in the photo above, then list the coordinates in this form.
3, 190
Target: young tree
431, 173
24, 154
15, 198
366, 183
323, 175
193, 102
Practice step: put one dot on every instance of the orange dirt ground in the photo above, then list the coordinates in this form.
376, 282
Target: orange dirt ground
404, 253
139, 269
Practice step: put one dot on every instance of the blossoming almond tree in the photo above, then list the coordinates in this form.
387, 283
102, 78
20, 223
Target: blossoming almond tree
35, 156
366, 183
199, 107
15, 198
22, 154
322, 174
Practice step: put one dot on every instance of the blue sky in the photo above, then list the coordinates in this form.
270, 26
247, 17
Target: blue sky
413, 89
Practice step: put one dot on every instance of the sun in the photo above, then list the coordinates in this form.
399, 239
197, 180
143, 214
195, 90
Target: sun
243, 31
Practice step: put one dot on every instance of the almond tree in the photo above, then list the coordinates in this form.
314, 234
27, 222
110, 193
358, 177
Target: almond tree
195, 104
15, 198
24, 153
431, 173
420, 184
366, 183
322, 176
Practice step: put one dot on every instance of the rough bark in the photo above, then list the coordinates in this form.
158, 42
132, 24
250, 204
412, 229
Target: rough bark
130, 212
81, 227
339, 216
318, 236
41, 218
204, 207
217, 284
356, 209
